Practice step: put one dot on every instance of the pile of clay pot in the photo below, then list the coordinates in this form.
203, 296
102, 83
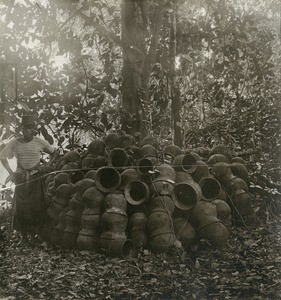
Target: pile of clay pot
119, 197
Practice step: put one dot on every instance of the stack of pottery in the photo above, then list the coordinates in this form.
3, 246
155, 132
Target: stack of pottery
113, 239
96, 156
160, 222
73, 216
88, 237
204, 219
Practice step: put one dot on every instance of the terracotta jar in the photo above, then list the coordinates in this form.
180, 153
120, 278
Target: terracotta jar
136, 192
185, 163
210, 188
107, 179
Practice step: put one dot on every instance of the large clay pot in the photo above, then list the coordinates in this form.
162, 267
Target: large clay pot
115, 200
216, 233
93, 198
111, 141
201, 171
127, 176
202, 214
185, 163
114, 220
87, 162
162, 202
210, 188
240, 203
183, 177
171, 151
148, 151
159, 221
234, 184
162, 242
216, 158
240, 170
96, 148
88, 240
60, 179
223, 211
221, 171
136, 192
221, 149
107, 179
186, 194
146, 165
118, 158
184, 232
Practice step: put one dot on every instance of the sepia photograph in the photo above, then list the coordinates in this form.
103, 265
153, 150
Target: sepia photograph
140, 149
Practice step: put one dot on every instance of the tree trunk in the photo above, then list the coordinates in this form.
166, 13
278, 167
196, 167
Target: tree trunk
134, 27
175, 90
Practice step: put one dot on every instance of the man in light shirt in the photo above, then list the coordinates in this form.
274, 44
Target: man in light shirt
29, 177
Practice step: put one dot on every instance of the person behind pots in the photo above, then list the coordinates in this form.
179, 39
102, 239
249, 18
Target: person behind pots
29, 179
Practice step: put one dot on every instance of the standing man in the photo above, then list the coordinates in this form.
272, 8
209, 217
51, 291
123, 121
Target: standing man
29, 177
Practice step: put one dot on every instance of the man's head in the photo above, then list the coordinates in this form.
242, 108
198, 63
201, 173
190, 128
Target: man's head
28, 127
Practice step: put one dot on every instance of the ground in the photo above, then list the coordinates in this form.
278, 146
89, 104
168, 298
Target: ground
248, 267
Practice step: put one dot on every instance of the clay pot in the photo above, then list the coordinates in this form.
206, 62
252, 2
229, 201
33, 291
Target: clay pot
115, 200
96, 148
221, 149
240, 203
240, 170
202, 214
184, 232
137, 224
99, 161
162, 202
60, 179
114, 220
93, 198
136, 192
87, 240
183, 177
160, 187
150, 140
127, 176
107, 179
239, 160
71, 156
148, 151
216, 158
117, 246
90, 220
87, 162
118, 158
216, 233
162, 242
186, 194
171, 151
165, 172
159, 221
234, 184
223, 211
221, 171
185, 163
201, 171
91, 174
210, 188
146, 165
126, 141
111, 141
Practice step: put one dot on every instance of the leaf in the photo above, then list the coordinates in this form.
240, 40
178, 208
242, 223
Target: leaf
46, 135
